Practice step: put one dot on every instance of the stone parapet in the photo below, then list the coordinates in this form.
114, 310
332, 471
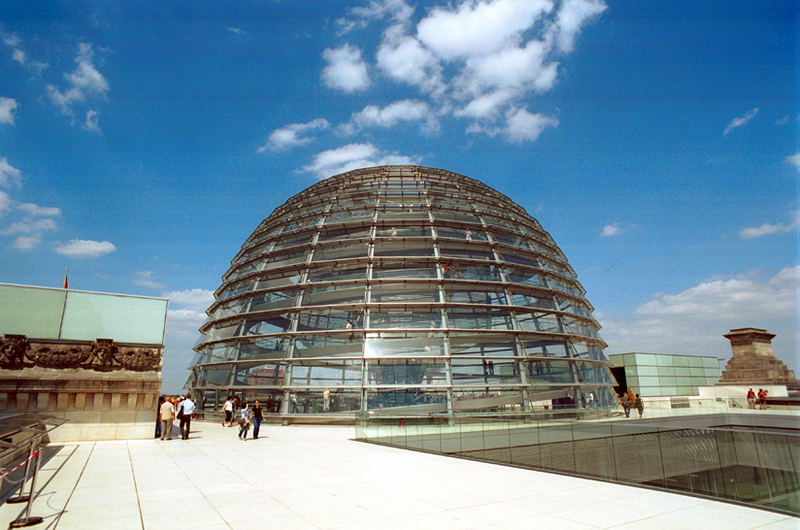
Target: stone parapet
103, 395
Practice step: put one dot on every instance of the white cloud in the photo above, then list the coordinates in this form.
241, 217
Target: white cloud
36, 210
82, 248
84, 81
793, 160
19, 55
292, 135
8, 107
404, 59
9, 175
145, 279
30, 229
611, 230
361, 16
26, 243
572, 15
390, 115
237, 31
479, 28
510, 68
740, 121
487, 105
92, 122
769, 229
194, 299
522, 126
346, 69
693, 321
353, 156
29, 226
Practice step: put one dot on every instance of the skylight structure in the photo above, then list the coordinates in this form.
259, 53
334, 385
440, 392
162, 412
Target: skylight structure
401, 289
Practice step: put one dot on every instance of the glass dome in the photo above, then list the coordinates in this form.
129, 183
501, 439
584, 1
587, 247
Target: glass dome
404, 289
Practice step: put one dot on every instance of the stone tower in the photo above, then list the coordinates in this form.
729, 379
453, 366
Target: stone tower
753, 362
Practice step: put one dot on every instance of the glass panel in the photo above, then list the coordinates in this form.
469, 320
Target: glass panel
326, 346
475, 297
88, 316
352, 232
266, 325
400, 292
31, 311
324, 401
334, 294
271, 374
405, 319
467, 234
273, 300
543, 348
403, 231
278, 279
548, 371
379, 347
405, 372
479, 319
404, 270
328, 320
466, 251
214, 376
263, 348
327, 373
401, 248
473, 370
423, 400
478, 346
356, 249
337, 272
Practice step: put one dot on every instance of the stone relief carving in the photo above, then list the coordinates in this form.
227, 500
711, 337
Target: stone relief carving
12, 350
59, 356
103, 352
16, 352
141, 359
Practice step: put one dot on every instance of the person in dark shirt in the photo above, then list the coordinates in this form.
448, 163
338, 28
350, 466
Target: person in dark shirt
258, 417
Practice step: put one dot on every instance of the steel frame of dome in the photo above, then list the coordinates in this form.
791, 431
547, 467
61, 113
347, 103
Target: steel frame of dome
404, 289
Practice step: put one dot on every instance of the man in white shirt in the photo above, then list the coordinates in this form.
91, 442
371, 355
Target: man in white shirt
187, 408
167, 415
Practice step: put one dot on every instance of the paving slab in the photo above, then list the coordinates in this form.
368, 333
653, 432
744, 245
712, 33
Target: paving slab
312, 477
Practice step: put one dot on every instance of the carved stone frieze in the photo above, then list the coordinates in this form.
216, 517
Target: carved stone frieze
59, 356
140, 359
103, 355
12, 350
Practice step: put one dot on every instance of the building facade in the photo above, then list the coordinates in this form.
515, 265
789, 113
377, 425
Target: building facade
403, 289
664, 374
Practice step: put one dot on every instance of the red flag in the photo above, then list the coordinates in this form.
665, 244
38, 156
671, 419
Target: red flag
66, 285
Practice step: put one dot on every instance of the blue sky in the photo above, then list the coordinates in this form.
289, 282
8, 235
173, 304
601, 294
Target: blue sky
140, 144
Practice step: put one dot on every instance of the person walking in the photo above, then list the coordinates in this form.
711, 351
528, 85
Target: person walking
258, 417
158, 416
167, 416
244, 421
227, 409
751, 399
639, 405
186, 408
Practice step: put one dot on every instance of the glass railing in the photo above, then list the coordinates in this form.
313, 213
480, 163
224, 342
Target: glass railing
745, 459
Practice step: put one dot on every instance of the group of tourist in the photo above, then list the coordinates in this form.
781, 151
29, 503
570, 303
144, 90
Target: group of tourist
169, 408
247, 416
629, 401
759, 399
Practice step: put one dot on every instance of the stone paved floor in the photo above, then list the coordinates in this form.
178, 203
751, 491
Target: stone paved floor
316, 477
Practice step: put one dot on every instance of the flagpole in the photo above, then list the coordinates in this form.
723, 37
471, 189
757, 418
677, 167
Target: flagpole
66, 284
